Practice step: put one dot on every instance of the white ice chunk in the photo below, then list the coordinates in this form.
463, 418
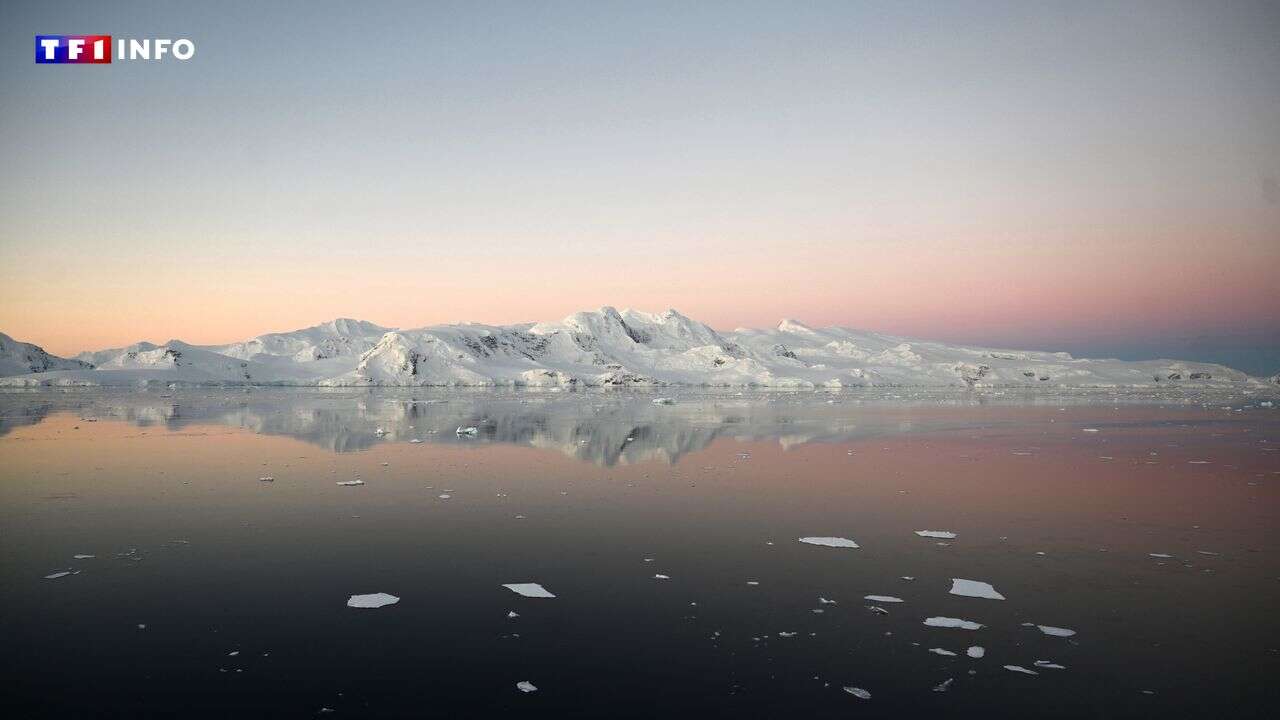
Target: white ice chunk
882, 598
374, 600
1050, 665
835, 542
975, 651
55, 576
1159, 555
1090, 430
1019, 668
974, 588
1051, 630
857, 692
660, 576
351, 483
533, 590
940, 534
949, 622
526, 686
468, 431
941, 651
83, 557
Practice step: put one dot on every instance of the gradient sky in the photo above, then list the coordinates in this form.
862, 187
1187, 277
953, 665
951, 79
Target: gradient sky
1102, 178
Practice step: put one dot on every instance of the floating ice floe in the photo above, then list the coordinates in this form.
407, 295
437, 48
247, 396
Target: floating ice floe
835, 542
942, 651
753, 582
1159, 555
663, 401
373, 600
975, 651
350, 483
785, 634
526, 687
882, 598
824, 601
55, 576
877, 610
512, 614
83, 557
857, 692
414, 441
1091, 430
1020, 669
950, 622
940, 534
1050, 665
466, 430
532, 590
974, 588
943, 686
444, 496
660, 576
266, 478
1051, 630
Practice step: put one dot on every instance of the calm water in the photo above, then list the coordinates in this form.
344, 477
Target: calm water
592, 495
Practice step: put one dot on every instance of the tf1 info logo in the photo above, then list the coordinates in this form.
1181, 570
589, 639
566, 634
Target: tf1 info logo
97, 49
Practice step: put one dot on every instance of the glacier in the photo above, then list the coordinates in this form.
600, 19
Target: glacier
600, 348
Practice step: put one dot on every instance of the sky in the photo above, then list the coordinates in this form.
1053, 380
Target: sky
1101, 178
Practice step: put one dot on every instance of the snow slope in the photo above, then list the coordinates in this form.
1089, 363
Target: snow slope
607, 347
19, 358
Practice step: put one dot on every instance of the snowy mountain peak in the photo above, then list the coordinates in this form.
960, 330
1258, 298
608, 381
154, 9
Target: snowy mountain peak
794, 326
20, 358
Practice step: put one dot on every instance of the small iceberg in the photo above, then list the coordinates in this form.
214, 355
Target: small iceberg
531, 590
941, 651
1020, 669
882, 598
1050, 665
466, 431
83, 557
975, 651
950, 622
55, 576
857, 692
1051, 630
526, 687
835, 542
663, 401
351, 483
374, 600
974, 588
940, 534
660, 576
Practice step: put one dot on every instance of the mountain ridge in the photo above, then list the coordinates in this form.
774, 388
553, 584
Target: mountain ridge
603, 347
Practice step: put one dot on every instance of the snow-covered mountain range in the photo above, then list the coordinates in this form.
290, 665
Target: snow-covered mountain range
604, 347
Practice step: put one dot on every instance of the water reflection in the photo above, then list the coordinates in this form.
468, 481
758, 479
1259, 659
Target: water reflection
597, 427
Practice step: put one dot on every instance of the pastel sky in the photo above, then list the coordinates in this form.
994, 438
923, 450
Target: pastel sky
1102, 178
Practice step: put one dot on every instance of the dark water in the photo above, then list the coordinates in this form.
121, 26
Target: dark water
576, 492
